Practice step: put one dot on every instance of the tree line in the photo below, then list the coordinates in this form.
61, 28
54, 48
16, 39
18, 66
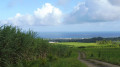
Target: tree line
86, 40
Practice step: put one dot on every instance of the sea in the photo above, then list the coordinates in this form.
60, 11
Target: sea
81, 35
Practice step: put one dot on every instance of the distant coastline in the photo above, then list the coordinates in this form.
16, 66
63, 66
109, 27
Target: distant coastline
86, 40
77, 35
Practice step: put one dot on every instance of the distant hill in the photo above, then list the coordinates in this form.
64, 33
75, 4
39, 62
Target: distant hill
86, 40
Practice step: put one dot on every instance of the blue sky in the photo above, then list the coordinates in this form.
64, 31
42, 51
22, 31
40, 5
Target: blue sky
61, 15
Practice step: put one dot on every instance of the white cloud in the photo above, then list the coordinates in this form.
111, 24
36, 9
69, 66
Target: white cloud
47, 15
93, 11
88, 11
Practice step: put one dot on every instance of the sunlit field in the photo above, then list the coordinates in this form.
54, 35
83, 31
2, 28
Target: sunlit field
77, 44
105, 52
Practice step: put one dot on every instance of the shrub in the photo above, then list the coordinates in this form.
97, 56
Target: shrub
17, 45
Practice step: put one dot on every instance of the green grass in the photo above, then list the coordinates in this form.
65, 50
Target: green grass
78, 44
88, 45
24, 49
107, 53
68, 62
111, 55
71, 61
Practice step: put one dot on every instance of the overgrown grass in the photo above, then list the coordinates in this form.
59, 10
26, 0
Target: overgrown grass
105, 52
111, 55
24, 49
17, 46
71, 61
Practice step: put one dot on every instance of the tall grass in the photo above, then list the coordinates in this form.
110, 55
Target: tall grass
24, 49
111, 55
71, 61
16, 45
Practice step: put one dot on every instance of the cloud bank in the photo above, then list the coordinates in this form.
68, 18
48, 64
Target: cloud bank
89, 11
94, 11
47, 15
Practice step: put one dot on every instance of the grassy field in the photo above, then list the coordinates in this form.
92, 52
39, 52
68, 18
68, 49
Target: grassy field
78, 44
107, 53
71, 61
111, 55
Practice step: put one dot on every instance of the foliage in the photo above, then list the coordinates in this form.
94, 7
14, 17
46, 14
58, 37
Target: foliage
71, 61
85, 40
24, 49
60, 50
16, 45
104, 42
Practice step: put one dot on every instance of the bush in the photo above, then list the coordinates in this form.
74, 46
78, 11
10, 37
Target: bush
60, 50
25, 49
17, 45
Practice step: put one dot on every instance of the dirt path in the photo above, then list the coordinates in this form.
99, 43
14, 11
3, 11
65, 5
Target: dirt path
94, 63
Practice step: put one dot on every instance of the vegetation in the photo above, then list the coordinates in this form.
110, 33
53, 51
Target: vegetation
85, 40
104, 42
71, 61
107, 51
78, 44
24, 49
111, 55
104, 50
18, 47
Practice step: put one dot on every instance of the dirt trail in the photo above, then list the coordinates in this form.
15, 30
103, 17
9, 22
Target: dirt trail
94, 63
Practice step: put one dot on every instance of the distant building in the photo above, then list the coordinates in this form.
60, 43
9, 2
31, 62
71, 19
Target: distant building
52, 42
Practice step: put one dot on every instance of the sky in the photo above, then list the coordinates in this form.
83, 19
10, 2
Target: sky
61, 15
